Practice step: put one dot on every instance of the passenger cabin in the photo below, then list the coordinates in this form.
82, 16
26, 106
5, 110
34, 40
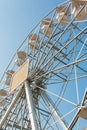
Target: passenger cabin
47, 26
62, 14
1, 104
33, 41
9, 74
3, 92
85, 128
21, 57
79, 9
83, 112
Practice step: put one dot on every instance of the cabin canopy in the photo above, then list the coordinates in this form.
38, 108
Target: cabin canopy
83, 112
21, 54
47, 21
79, 9
33, 41
21, 58
33, 37
47, 26
9, 74
3, 92
85, 128
62, 14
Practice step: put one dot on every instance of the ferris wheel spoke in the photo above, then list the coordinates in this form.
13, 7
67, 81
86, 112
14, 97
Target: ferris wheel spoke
36, 54
64, 47
56, 40
44, 47
55, 113
63, 67
46, 126
77, 91
48, 118
38, 57
49, 42
69, 112
55, 66
58, 65
60, 36
81, 48
57, 96
74, 120
62, 81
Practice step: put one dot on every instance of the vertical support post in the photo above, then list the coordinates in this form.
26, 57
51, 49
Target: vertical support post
10, 107
31, 108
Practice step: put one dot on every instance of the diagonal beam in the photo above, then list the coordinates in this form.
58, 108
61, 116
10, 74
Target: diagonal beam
54, 112
74, 120
10, 107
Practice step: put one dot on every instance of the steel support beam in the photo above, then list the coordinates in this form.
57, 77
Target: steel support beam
76, 117
54, 112
10, 107
74, 120
32, 112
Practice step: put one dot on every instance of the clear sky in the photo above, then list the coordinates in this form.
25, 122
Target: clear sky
17, 19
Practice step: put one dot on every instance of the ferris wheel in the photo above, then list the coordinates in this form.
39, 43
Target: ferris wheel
44, 86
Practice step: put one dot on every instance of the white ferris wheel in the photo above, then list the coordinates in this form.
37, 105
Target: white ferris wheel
44, 86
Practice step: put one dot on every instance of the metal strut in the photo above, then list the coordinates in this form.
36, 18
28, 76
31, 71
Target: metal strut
31, 108
10, 107
55, 113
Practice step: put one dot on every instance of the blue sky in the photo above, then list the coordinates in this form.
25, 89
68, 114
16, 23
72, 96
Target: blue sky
17, 19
